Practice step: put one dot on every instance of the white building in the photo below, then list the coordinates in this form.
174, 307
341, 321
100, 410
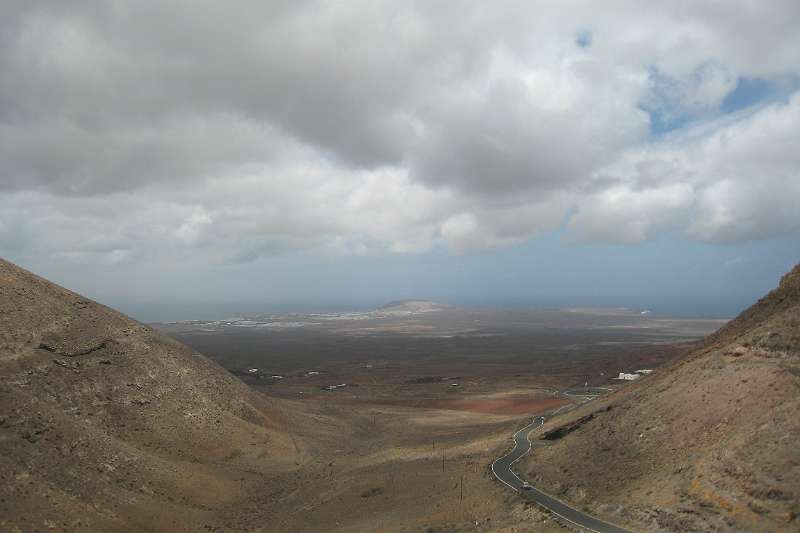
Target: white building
645, 371
628, 377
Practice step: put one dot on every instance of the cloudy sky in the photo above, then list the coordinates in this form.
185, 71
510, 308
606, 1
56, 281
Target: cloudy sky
182, 159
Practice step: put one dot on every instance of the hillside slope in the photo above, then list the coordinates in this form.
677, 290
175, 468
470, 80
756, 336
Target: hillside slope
106, 424
707, 443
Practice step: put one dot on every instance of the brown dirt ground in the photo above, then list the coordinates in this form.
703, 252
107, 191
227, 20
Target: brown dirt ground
495, 406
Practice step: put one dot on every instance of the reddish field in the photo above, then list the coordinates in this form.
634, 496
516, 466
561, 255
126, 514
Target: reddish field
495, 406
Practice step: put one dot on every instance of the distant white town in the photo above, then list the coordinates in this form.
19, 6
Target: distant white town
636, 375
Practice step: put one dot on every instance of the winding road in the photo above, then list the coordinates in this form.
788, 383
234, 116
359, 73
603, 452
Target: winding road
503, 471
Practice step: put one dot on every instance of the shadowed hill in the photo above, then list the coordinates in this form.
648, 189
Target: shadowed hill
707, 443
106, 424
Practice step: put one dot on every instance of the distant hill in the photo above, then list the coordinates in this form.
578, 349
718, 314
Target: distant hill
608, 311
107, 425
414, 306
706, 443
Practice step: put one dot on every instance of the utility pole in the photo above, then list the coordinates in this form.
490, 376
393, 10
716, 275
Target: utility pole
442, 460
462, 488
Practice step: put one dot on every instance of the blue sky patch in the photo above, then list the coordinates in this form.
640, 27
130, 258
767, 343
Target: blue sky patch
583, 38
755, 91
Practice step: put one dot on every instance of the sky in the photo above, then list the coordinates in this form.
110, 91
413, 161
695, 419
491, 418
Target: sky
197, 159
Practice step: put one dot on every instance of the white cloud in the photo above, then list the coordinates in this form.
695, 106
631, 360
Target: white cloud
737, 181
376, 127
190, 232
624, 214
462, 232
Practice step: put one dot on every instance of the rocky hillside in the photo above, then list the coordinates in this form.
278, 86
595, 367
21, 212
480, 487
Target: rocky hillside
707, 443
106, 424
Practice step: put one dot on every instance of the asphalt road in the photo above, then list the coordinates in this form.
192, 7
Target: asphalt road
503, 471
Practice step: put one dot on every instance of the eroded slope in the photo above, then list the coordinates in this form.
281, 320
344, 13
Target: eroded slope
106, 424
709, 442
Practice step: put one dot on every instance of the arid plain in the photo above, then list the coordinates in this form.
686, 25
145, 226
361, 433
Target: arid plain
378, 421
412, 402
